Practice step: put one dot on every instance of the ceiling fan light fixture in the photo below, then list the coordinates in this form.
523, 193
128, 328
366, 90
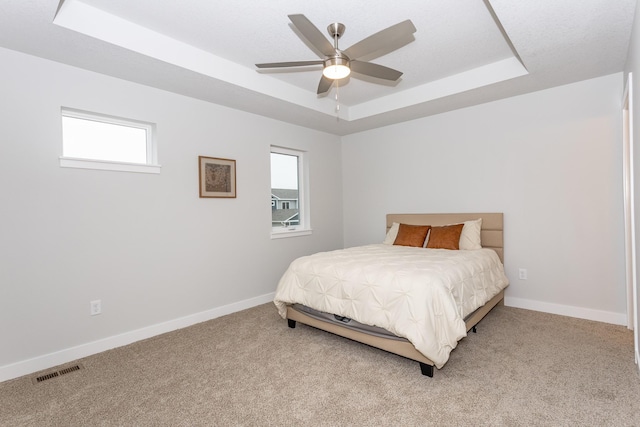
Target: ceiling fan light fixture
336, 68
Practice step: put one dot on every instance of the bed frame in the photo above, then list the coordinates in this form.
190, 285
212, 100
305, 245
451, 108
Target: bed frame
491, 237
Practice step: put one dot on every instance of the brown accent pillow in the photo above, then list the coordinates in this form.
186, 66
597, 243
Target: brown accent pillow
446, 237
411, 235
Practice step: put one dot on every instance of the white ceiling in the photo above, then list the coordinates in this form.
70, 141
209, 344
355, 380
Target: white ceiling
465, 52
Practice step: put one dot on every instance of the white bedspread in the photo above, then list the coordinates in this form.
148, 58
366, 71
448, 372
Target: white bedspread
419, 294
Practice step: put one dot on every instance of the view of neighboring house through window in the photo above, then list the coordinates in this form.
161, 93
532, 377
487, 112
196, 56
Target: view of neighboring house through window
287, 190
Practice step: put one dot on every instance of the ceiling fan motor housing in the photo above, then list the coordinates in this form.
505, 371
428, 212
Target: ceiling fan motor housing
338, 59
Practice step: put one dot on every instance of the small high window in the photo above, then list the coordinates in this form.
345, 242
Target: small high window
95, 141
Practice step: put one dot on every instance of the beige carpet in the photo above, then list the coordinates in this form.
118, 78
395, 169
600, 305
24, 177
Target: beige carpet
522, 368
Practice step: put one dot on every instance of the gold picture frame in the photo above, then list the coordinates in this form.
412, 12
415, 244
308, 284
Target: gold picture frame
217, 177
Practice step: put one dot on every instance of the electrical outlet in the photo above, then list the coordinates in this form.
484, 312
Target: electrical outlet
522, 274
95, 307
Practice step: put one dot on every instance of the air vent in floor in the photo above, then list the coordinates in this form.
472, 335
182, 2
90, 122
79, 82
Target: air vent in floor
54, 374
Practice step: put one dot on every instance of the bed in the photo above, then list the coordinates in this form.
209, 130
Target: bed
404, 298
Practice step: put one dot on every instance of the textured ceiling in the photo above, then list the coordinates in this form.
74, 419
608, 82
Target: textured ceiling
463, 53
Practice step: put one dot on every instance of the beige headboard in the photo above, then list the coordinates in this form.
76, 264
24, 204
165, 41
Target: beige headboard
491, 232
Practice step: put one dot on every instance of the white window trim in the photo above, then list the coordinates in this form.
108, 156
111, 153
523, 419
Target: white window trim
284, 233
151, 166
72, 162
304, 229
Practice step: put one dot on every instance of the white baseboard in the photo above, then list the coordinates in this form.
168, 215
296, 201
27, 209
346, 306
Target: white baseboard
567, 310
46, 361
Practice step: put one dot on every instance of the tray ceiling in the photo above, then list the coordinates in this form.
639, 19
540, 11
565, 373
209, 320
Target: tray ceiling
460, 56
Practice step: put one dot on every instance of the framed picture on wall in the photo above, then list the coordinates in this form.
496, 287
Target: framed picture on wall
217, 177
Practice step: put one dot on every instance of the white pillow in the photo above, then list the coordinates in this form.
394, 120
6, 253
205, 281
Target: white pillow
470, 236
391, 234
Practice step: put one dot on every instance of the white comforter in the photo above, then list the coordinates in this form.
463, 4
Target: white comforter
419, 294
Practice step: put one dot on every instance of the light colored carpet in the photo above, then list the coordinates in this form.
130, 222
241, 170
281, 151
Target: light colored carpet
522, 368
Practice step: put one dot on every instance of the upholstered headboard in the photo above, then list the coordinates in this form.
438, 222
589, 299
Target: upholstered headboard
491, 234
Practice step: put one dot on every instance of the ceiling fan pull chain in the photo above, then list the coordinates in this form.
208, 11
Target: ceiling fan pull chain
337, 101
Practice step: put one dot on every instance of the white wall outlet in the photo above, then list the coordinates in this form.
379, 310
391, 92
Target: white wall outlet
522, 274
95, 307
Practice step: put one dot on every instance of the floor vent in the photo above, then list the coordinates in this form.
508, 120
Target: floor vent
45, 377
69, 369
54, 374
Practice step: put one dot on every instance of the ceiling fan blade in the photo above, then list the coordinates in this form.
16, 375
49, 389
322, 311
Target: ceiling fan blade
325, 85
380, 39
375, 70
289, 64
313, 34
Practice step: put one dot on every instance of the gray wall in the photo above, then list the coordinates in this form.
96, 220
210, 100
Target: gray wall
146, 245
550, 160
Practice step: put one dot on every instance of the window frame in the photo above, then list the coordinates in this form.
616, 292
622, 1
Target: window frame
151, 165
304, 227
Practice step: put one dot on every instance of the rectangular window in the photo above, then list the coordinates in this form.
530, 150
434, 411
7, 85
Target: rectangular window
95, 141
289, 198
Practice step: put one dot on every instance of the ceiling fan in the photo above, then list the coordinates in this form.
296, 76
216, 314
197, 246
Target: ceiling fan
337, 63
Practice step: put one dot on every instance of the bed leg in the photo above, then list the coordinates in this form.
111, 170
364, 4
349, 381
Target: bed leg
474, 329
426, 369
292, 323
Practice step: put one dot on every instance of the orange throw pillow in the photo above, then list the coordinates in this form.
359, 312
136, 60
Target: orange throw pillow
447, 237
411, 235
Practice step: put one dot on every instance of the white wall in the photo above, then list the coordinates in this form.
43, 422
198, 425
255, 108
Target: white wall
157, 255
633, 66
551, 161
